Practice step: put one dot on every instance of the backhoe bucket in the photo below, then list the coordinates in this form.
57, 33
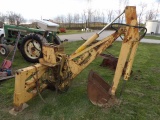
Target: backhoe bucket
99, 91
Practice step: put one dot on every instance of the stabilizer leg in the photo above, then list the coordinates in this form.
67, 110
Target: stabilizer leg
26, 85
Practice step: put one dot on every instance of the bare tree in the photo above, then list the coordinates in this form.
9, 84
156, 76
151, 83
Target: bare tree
142, 6
62, 20
69, 20
157, 10
82, 19
96, 17
150, 14
88, 13
85, 18
103, 18
2, 17
57, 19
88, 16
110, 15
14, 18
122, 5
11, 17
76, 19
19, 19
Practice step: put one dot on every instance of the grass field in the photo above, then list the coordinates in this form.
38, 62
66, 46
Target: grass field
140, 98
152, 37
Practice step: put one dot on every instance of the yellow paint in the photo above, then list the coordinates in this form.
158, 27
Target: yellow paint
26, 78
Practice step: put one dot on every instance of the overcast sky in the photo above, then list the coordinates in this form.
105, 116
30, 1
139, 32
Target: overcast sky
49, 9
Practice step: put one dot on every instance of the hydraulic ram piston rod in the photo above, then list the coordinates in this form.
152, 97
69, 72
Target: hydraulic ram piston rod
109, 24
95, 36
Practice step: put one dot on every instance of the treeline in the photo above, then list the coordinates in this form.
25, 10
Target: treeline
91, 18
11, 18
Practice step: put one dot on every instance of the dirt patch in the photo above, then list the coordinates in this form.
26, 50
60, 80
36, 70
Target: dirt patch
151, 87
155, 69
137, 75
136, 93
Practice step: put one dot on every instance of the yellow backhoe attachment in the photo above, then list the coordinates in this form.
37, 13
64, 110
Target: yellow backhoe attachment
57, 70
101, 93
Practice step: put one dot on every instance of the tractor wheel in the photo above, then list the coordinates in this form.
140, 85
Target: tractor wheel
31, 47
57, 40
4, 50
2, 40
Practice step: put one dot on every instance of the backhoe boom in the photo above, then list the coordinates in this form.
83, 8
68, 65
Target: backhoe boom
57, 69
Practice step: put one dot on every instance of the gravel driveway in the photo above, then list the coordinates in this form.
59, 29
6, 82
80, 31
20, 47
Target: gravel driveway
75, 37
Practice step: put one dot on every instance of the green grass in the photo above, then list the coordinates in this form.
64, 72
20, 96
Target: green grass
140, 99
152, 37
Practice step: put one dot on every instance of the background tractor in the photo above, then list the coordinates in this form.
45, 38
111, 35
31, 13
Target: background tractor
31, 39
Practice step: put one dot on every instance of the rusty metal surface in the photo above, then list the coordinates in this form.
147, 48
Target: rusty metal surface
111, 62
98, 91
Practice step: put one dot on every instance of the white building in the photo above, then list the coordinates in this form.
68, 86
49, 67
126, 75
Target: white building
153, 27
